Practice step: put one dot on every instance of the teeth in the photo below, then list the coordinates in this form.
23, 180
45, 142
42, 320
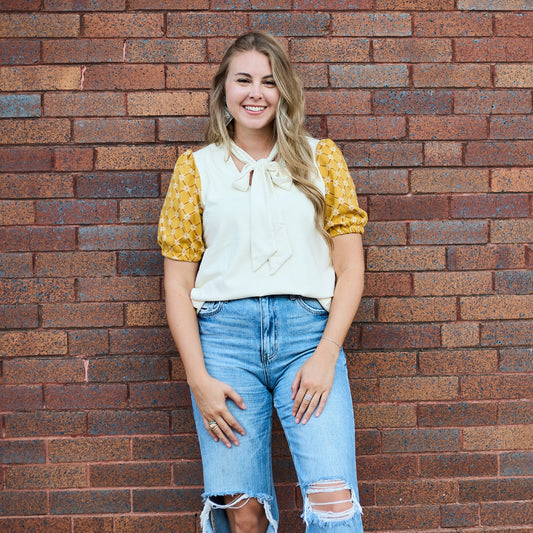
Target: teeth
254, 108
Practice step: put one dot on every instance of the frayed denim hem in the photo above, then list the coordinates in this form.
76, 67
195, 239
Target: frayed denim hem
207, 518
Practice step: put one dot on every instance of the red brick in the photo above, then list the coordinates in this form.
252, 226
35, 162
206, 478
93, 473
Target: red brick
85, 396
331, 102
25, 159
490, 206
21, 343
113, 130
413, 309
488, 257
164, 51
142, 340
366, 128
352, 76
507, 514
18, 212
118, 185
406, 258
16, 265
400, 389
43, 370
123, 25
190, 473
167, 103
120, 369
128, 474
124, 77
514, 282
513, 127
451, 75
87, 104
381, 468
420, 440
20, 5
495, 49
383, 154
496, 387
457, 515
117, 422
451, 283
133, 157
379, 181
516, 360
400, 336
503, 231
412, 50
224, 5
499, 438
117, 237
84, 5
190, 75
44, 423
459, 414
42, 524
492, 102
39, 25
182, 129
118, 288
14, 398
88, 524
415, 492
516, 463
88, 342
15, 503
35, 131
412, 102
408, 207
46, 476
514, 24
333, 4
519, 412
493, 5
73, 159
495, 489
455, 465
415, 5
452, 128
64, 212
73, 264
449, 232
33, 238
177, 523
371, 24
140, 210
370, 416
330, 50
161, 448
40, 78
97, 501
81, 315
421, 517
292, 24
20, 51
459, 334
82, 51
27, 291
493, 307
169, 4
387, 284
205, 24
452, 24
146, 314
18, 316
506, 333
140, 263
519, 75
512, 179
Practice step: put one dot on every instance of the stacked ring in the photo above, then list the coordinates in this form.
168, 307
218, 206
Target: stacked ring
212, 425
308, 397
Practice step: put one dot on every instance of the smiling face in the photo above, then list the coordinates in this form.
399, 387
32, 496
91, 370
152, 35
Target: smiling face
251, 93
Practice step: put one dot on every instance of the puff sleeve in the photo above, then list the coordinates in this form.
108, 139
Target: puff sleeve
343, 214
180, 222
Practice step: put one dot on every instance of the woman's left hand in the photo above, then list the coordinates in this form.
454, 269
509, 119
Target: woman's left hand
312, 383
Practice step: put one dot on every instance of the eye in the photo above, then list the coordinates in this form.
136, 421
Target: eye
243, 80
270, 83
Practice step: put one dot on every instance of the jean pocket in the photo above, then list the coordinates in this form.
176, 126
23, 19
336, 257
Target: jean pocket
210, 308
311, 305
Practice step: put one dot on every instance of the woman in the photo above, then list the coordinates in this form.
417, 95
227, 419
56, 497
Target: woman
261, 234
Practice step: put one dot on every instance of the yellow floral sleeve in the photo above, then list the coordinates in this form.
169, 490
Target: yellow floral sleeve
180, 222
343, 214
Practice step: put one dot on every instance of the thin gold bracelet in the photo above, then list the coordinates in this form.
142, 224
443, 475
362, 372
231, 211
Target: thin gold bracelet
331, 340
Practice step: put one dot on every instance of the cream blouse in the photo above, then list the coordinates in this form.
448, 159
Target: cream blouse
208, 217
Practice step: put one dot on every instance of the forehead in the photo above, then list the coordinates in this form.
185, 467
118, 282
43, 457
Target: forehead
250, 62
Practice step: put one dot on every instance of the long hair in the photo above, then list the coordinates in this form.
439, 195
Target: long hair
289, 131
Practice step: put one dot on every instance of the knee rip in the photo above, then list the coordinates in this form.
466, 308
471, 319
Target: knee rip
214, 503
330, 501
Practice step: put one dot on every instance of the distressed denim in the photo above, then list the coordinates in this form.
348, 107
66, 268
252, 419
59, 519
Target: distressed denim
256, 345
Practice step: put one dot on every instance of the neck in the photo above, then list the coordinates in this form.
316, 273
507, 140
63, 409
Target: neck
256, 144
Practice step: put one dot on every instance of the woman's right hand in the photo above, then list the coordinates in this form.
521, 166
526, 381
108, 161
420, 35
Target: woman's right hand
210, 396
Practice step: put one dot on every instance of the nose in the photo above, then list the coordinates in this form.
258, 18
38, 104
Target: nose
255, 90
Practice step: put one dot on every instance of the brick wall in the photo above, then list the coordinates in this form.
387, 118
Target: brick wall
431, 102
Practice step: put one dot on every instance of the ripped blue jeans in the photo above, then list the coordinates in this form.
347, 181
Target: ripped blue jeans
256, 345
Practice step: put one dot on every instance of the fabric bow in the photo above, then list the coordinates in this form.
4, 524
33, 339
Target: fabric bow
269, 239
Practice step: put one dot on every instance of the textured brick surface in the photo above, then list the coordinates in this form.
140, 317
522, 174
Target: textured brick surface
430, 102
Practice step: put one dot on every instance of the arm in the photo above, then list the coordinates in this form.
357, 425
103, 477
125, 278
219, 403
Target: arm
315, 377
210, 394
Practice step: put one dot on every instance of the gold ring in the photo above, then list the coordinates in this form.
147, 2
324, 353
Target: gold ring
212, 425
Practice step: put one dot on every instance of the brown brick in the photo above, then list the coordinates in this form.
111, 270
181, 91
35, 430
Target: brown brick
82, 50
27, 291
16, 265
177, 523
437, 127
387, 284
82, 315
46, 477
36, 186
120, 130
89, 449
455, 465
495, 489
20, 51
182, 129
88, 524
39, 25
40, 78
44, 423
35, 131
382, 154
451, 283
74, 264
503, 231
33, 238
86, 104
98, 501
135, 157
458, 361
291, 24
130, 475
443, 180
512, 180
49, 212
449, 232
519, 412
493, 307
25, 159
519, 75
400, 336
19, 212
420, 440
42, 524
418, 388
352, 76
452, 24
43, 370
88, 342
406, 258
22, 343
73, 159
412, 50
451, 75
119, 288
415, 5
138, 210
333, 4
496, 386
122, 422
113, 237
386, 234
368, 128
459, 515
15, 503
142, 340
123, 25
458, 414
190, 473
415, 492
394, 181
121, 369
495, 49
491, 102
18, 316
124, 77
168, 103
21, 397
330, 102
20, 5
507, 514
190, 75
514, 24
371, 24
516, 360
205, 24
416, 309
493, 5
382, 364
329, 50
370, 416
85, 5
161, 447
425, 517
488, 257
146, 314
506, 333
385, 467
458, 334
85, 396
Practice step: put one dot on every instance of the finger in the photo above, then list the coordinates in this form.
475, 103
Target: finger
303, 405
295, 386
211, 430
322, 403
236, 397
217, 433
298, 399
311, 408
227, 435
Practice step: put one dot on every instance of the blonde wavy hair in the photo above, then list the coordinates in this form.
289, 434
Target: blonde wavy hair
289, 130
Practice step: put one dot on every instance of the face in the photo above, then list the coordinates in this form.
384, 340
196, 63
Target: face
251, 93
